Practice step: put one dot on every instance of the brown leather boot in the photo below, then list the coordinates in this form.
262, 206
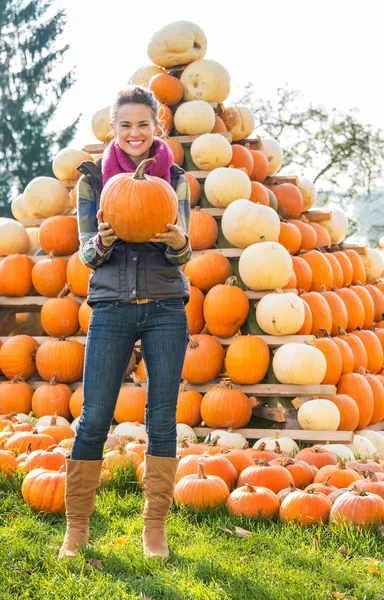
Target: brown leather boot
159, 485
82, 481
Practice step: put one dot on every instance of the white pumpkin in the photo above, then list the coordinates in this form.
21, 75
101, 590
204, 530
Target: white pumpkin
18, 209
244, 223
299, 364
228, 438
337, 226
186, 433
280, 314
135, 430
45, 197
362, 447
340, 450
194, 118
319, 415
13, 237
143, 75
376, 438
287, 444
224, 186
240, 121
66, 161
308, 191
101, 123
265, 266
206, 80
274, 152
210, 151
24, 418
33, 235
373, 261
46, 420
178, 43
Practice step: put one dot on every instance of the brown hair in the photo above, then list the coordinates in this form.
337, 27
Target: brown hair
135, 94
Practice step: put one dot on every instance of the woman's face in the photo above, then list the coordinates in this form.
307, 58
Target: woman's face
135, 128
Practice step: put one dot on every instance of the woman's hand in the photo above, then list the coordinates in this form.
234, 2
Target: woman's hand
106, 233
174, 237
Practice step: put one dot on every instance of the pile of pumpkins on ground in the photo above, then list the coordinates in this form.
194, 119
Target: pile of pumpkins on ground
336, 296
273, 478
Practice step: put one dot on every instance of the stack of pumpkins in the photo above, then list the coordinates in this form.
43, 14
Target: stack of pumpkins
336, 296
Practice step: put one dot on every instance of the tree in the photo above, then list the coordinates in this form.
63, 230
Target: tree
340, 153
30, 91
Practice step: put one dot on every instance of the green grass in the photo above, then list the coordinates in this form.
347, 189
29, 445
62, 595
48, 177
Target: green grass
275, 562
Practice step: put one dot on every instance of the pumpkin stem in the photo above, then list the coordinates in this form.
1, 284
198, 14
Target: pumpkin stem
358, 489
262, 462
250, 488
341, 464
277, 449
183, 385
192, 343
53, 422
201, 474
325, 332
53, 379
17, 379
64, 291
262, 446
139, 173
231, 280
342, 331
214, 441
51, 448
136, 380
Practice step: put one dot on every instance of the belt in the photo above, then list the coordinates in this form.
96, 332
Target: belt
145, 300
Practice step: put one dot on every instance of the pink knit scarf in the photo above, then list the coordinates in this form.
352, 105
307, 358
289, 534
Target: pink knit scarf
115, 161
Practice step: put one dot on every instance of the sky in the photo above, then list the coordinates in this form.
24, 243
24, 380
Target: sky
331, 50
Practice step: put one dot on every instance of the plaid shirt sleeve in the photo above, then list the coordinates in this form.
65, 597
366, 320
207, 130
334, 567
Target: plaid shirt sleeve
179, 257
92, 253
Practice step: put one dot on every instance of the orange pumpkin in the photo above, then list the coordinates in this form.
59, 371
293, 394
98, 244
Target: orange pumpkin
44, 459
321, 313
194, 188
367, 302
84, 315
63, 358
357, 387
203, 359
373, 348
49, 275
20, 441
301, 472
194, 310
316, 456
378, 398
222, 406
347, 355
56, 431
359, 274
201, 491
259, 194
50, 398
349, 412
306, 507
60, 316
308, 235
346, 267
44, 490
16, 275
334, 361
188, 406
15, 397
140, 371
226, 308
219, 126
260, 165
357, 507
359, 352
239, 458
247, 359
203, 230
290, 200
177, 149
338, 310
214, 465
17, 356
253, 502
242, 159
337, 271
337, 475
323, 237
8, 463
354, 306
208, 270
76, 402
303, 273
273, 477
290, 237
306, 328
292, 283
130, 405
321, 270
78, 276
166, 88
378, 301
60, 235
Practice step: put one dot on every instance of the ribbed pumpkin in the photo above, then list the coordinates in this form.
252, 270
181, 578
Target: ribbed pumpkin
373, 348
316, 456
347, 355
78, 276
346, 266
239, 458
359, 275
242, 159
334, 361
378, 398
223, 406
338, 310
301, 471
357, 507
203, 230
290, 200
188, 406
259, 194
208, 270
253, 502
349, 412
226, 308
8, 463
354, 306
321, 313
44, 459
50, 398
130, 405
273, 477
15, 396
323, 237
337, 271
201, 491
56, 430
303, 273
138, 206
194, 310
308, 320
337, 475
49, 275
59, 235
76, 402
17, 356
367, 302
305, 507
194, 188
371, 485
359, 352
44, 490
63, 358
308, 235
260, 165
16, 275
357, 387
290, 237
378, 300
203, 360
84, 315
321, 270
216, 465
379, 333
247, 360
20, 441
60, 316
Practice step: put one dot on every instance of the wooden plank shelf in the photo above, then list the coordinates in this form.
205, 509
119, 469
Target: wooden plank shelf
296, 434
362, 250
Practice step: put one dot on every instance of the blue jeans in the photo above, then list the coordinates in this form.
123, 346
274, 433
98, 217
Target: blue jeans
114, 328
